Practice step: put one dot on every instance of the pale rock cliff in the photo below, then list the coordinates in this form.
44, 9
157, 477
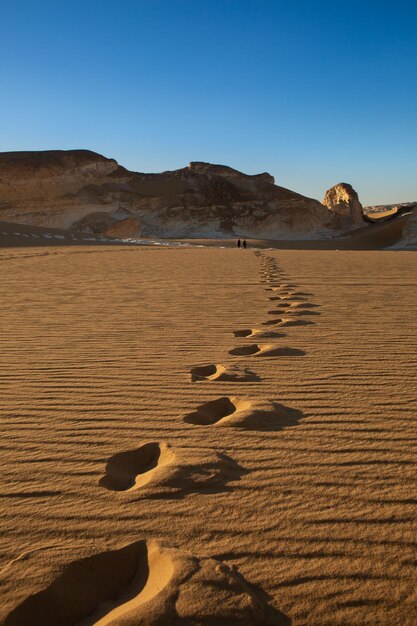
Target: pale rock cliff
85, 191
47, 188
344, 206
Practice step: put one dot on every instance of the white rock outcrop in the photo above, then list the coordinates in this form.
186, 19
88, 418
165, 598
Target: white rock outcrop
343, 204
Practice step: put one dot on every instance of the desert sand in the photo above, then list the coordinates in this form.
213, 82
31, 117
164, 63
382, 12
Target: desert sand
208, 436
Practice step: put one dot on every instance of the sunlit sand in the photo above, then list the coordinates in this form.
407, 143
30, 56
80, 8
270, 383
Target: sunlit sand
172, 450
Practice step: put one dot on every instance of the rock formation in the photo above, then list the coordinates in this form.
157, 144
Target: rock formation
409, 234
344, 206
87, 192
119, 223
383, 212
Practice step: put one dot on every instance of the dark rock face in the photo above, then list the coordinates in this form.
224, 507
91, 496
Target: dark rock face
78, 188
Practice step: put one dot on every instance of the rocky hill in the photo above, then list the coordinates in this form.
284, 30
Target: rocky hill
84, 191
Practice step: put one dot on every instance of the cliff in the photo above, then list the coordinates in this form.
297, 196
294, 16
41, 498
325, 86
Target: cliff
82, 190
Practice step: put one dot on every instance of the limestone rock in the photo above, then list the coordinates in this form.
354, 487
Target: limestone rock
117, 224
344, 206
83, 190
51, 188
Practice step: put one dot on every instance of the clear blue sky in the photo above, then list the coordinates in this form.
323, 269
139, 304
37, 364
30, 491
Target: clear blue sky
313, 91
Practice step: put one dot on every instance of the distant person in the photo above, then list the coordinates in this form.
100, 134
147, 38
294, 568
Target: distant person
244, 244
238, 243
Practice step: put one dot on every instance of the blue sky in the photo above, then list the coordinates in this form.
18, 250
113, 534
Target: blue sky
314, 92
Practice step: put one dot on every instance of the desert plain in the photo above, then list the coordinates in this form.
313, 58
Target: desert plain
208, 436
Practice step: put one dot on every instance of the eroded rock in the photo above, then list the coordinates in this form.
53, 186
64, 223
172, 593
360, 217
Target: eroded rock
344, 206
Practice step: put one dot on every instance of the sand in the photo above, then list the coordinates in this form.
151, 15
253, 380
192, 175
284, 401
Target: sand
208, 436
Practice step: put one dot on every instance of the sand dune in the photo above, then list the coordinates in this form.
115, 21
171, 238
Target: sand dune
152, 475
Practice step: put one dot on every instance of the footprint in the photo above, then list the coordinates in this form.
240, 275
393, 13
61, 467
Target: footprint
288, 309
131, 470
99, 589
246, 332
220, 372
243, 413
245, 350
272, 322
299, 304
269, 334
142, 583
288, 321
280, 290
255, 332
270, 280
297, 312
266, 350
188, 470
211, 412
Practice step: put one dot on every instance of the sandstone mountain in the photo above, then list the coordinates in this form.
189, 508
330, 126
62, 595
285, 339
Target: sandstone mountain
344, 206
84, 191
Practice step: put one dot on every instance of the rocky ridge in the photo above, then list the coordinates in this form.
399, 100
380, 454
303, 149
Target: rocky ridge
87, 192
